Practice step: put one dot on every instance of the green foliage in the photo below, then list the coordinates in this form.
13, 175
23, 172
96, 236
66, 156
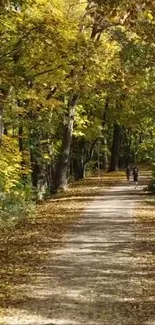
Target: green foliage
16, 208
151, 186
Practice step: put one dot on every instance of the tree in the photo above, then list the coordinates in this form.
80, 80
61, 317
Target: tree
56, 88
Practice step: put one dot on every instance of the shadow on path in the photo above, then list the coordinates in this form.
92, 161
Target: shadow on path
103, 274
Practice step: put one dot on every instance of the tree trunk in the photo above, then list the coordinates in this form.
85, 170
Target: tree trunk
105, 155
127, 147
35, 157
60, 177
115, 148
20, 136
38, 177
128, 154
21, 149
79, 169
104, 164
4, 93
82, 171
1, 124
49, 175
35, 169
5, 130
82, 152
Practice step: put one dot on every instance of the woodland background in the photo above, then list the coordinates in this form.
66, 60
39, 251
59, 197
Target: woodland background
77, 93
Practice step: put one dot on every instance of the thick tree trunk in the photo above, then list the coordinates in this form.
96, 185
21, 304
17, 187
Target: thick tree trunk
115, 148
60, 177
121, 162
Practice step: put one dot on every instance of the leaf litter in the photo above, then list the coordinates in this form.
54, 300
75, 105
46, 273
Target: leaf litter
24, 249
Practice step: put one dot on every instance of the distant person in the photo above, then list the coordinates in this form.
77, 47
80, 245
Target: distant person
135, 176
128, 172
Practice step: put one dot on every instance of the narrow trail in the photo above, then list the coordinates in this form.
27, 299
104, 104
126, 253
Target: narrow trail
105, 272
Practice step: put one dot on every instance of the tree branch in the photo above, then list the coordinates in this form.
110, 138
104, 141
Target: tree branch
17, 44
51, 93
46, 71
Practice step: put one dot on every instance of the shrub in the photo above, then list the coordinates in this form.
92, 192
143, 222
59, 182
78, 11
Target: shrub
15, 198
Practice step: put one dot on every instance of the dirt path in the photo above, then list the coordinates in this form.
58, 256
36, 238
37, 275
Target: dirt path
104, 274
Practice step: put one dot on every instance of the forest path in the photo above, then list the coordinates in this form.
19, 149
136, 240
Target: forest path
105, 272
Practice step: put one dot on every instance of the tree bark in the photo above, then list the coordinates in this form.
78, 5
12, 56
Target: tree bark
35, 155
4, 94
1, 124
83, 155
5, 130
115, 148
21, 149
105, 155
38, 177
128, 150
20, 136
79, 169
104, 163
35, 169
60, 177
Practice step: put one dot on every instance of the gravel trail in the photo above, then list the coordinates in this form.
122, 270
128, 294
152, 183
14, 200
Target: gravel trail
103, 275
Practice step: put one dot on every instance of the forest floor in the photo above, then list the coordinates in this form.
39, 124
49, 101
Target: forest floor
88, 257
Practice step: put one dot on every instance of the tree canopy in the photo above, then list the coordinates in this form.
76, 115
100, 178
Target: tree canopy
74, 74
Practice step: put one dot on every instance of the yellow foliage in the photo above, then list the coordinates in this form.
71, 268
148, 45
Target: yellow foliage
10, 164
